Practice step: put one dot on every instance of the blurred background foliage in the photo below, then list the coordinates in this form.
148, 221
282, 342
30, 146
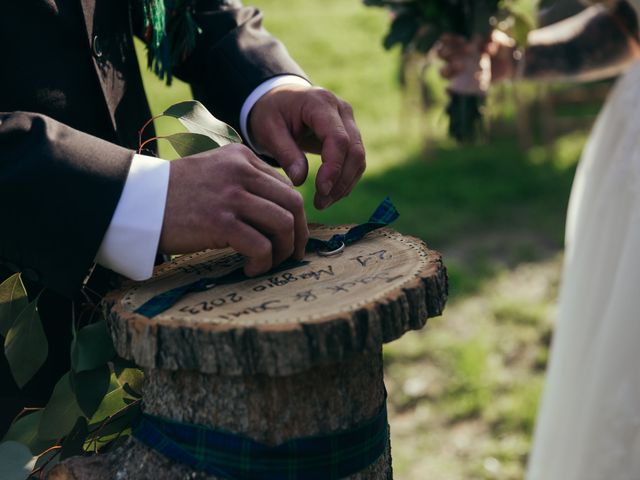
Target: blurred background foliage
463, 393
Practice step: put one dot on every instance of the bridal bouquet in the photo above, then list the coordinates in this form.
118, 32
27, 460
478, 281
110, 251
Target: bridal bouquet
418, 24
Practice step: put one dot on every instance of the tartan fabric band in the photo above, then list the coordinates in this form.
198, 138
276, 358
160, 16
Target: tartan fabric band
165, 300
385, 214
231, 456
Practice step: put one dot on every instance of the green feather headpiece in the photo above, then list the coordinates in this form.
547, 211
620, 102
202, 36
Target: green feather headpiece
170, 33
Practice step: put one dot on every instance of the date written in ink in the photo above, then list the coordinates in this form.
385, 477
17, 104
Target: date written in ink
209, 305
268, 306
364, 260
345, 287
287, 278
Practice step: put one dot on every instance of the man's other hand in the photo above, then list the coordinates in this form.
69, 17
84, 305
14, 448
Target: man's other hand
229, 197
292, 119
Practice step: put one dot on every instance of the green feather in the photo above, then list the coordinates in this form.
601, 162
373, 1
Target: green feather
171, 33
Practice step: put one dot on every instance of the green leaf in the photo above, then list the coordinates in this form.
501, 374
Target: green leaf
186, 144
426, 38
128, 374
90, 387
62, 411
92, 347
120, 364
47, 461
74, 442
403, 29
25, 345
110, 441
197, 119
16, 461
120, 425
122, 422
114, 401
25, 431
13, 299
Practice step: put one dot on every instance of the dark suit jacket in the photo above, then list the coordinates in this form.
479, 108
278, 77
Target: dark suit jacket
72, 102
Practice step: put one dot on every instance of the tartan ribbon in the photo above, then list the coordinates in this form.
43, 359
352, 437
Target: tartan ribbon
231, 456
165, 300
384, 214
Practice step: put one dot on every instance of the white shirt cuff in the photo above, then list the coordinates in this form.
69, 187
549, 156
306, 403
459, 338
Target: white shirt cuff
130, 245
251, 100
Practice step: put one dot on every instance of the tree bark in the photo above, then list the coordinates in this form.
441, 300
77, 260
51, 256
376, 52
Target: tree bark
307, 364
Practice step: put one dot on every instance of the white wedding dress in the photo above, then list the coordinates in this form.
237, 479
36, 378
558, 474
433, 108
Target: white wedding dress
588, 426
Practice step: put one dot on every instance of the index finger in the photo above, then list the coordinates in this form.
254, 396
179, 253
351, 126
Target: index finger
324, 119
289, 199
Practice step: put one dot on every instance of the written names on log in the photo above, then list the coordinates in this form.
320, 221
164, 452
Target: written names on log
363, 273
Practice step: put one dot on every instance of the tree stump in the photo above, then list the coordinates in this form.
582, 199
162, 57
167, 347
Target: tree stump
288, 355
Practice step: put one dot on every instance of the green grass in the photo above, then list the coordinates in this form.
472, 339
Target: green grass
463, 393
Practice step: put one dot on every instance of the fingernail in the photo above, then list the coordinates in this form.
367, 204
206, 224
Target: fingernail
325, 187
324, 202
294, 174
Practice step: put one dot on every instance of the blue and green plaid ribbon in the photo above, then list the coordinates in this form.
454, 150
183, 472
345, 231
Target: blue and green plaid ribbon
385, 214
230, 456
165, 300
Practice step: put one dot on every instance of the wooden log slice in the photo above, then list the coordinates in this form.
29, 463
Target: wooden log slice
284, 323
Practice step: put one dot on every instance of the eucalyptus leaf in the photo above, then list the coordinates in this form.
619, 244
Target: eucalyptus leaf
112, 440
13, 299
132, 392
113, 402
25, 431
113, 418
426, 38
62, 411
25, 345
47, 461
16, 461
121, 364
90, 388
76, 439
186, 144
119, 425
402, 31
128, 374
197, 119
92, 347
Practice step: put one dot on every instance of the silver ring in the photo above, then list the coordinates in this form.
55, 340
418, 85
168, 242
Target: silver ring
337, 251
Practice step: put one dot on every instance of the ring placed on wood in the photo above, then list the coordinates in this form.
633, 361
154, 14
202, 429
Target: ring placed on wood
331, 253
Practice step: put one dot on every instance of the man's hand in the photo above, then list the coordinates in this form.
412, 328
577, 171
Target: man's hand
292, 119
229, 197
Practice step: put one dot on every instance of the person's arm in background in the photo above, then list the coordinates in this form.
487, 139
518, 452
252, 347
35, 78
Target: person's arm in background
599, 42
